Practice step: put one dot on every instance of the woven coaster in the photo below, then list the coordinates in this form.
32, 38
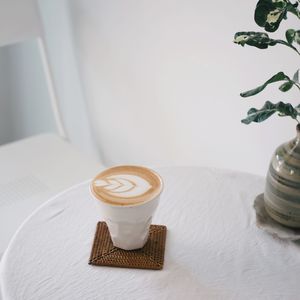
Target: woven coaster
151, 256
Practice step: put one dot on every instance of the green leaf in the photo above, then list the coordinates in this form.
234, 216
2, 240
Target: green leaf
277, 77
269, 13
296, 77
292, 8
260, 115
298, 109
297, 37
286, 86
290, 34
259, 40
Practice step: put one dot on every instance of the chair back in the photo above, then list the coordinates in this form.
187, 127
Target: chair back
20, 21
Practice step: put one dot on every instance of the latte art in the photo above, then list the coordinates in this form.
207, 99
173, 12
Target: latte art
126, 185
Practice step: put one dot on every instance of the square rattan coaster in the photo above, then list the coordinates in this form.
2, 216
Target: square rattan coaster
151, 256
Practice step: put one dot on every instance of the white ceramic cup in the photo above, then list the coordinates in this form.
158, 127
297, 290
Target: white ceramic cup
129, 224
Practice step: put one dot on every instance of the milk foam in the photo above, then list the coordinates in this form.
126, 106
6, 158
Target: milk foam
123, 185
126, 185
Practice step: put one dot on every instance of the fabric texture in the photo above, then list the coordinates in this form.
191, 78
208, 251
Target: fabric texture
213, 249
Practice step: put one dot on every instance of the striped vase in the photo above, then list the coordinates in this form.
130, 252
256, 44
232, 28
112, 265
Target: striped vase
282, 191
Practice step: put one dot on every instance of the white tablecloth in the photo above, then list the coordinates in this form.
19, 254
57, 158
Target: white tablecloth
214, 249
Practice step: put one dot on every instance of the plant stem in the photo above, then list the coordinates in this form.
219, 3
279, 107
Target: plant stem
288, 45
297, 85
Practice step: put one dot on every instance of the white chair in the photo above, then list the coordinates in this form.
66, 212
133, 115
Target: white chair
36, 168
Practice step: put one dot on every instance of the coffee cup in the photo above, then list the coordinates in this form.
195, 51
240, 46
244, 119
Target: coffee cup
128, 197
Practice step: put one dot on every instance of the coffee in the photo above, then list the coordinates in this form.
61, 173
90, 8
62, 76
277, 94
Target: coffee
127, 197
126, 185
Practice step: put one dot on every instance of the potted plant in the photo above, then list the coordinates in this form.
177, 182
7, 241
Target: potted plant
282, 190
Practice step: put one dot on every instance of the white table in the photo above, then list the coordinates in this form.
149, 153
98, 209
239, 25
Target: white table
214, 249
33, 170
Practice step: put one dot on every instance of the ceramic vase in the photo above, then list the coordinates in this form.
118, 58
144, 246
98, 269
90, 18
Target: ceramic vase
282, 190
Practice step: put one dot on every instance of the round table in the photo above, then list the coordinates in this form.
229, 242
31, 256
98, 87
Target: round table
213, 249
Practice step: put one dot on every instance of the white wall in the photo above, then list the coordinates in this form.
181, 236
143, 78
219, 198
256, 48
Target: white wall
58, 32
162, 81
